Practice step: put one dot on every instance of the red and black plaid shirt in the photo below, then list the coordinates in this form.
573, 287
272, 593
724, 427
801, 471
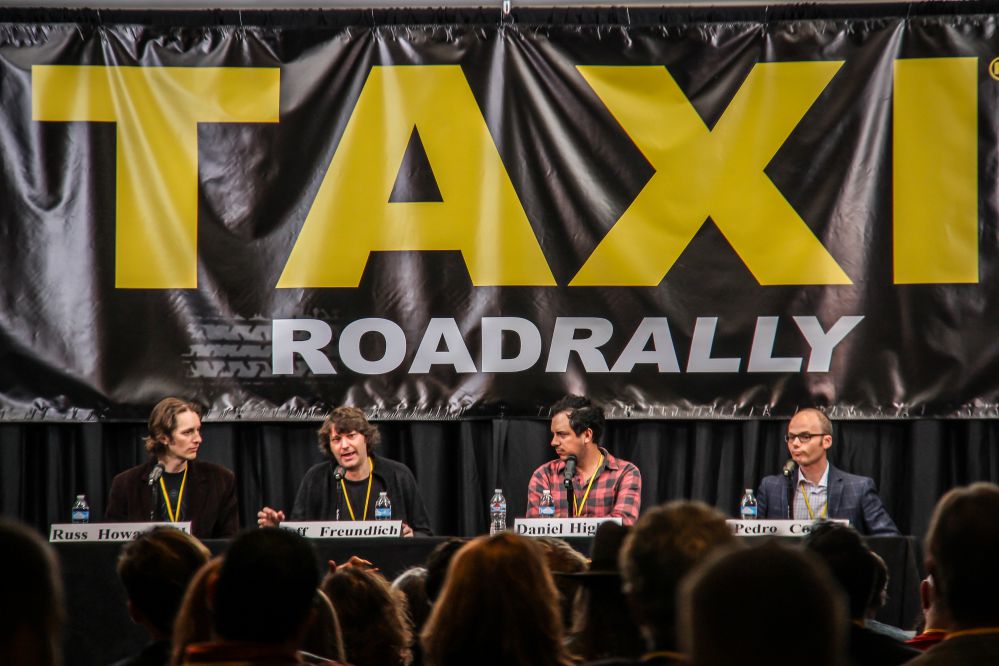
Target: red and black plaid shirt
616, 492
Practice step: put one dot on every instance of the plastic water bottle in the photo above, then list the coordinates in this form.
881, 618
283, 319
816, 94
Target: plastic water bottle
747, 507
547, 507
383, 507
81, 510
497, 512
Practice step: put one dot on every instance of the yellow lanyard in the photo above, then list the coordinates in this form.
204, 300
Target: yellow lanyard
677, 656
371, 475
174, 517
808, 505
980, 631
582, 505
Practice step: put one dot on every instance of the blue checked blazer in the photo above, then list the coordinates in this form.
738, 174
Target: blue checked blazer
850, 496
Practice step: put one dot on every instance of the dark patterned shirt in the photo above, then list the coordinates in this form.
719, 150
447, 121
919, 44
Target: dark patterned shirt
616, 492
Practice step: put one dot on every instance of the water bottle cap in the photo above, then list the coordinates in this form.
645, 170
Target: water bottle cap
498, 491
79, 497
749, 491
383, 493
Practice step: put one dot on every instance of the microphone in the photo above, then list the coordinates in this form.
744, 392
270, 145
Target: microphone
338, 472
569, 471
155, 475
789, 468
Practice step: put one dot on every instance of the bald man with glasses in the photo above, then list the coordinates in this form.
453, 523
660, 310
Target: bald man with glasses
819, 489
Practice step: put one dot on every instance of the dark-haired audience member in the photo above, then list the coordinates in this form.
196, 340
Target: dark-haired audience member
665, 544
188, 489
498, 607
31, 611
962, 548
562, 558
821, 490
602, 624
602, 485
437, 564
372, 617
261, 601
324, 639
850, 561
346, 486
762, 606
155, 569
878, 600
413, 584
936, 620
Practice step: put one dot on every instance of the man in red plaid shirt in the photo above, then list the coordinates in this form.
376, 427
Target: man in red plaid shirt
602, 486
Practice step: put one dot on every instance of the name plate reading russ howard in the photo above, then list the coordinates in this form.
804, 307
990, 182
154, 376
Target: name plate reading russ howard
107, 532
791, 528
559, 527
345, 529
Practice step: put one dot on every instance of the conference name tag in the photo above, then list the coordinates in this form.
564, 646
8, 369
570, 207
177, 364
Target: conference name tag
559, 527
106, 532
792, 528
345, 529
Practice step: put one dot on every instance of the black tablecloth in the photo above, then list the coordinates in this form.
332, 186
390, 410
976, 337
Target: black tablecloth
99, 631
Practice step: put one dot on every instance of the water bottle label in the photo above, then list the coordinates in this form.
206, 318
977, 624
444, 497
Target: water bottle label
547, 512
81, 516
383, 514
749, 512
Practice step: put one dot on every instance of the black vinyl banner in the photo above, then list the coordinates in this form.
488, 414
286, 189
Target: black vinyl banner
450, 215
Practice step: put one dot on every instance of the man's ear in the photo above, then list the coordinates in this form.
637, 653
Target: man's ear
638, 615
925, 593
210, 589
134, 614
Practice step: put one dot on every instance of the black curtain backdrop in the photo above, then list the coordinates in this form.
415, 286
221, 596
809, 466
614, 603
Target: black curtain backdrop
457, 464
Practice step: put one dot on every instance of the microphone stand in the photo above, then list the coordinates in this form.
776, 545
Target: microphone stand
570, 491
338, 476
154, 476
790, 498
789, 472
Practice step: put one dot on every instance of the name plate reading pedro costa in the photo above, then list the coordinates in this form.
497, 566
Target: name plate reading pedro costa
108, 532
791, 528
345, 529
559, 527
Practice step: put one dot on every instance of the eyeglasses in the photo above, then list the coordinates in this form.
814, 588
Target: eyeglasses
803, 437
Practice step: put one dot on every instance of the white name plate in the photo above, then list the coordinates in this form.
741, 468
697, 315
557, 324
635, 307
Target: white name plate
559, 527
792, 528
345, 529
108, 532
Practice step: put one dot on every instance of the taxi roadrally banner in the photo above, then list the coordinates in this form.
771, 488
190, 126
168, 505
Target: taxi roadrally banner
719, 214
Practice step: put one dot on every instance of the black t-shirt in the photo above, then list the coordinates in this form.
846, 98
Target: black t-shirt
356, 492
172, 482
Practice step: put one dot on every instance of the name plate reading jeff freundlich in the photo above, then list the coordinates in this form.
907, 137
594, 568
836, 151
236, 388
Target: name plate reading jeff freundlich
345, 529
791, 528
106, 532
559, 527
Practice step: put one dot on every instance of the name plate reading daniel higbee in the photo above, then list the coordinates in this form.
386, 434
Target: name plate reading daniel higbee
106, 532
791, 528
345, 529
559, 527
